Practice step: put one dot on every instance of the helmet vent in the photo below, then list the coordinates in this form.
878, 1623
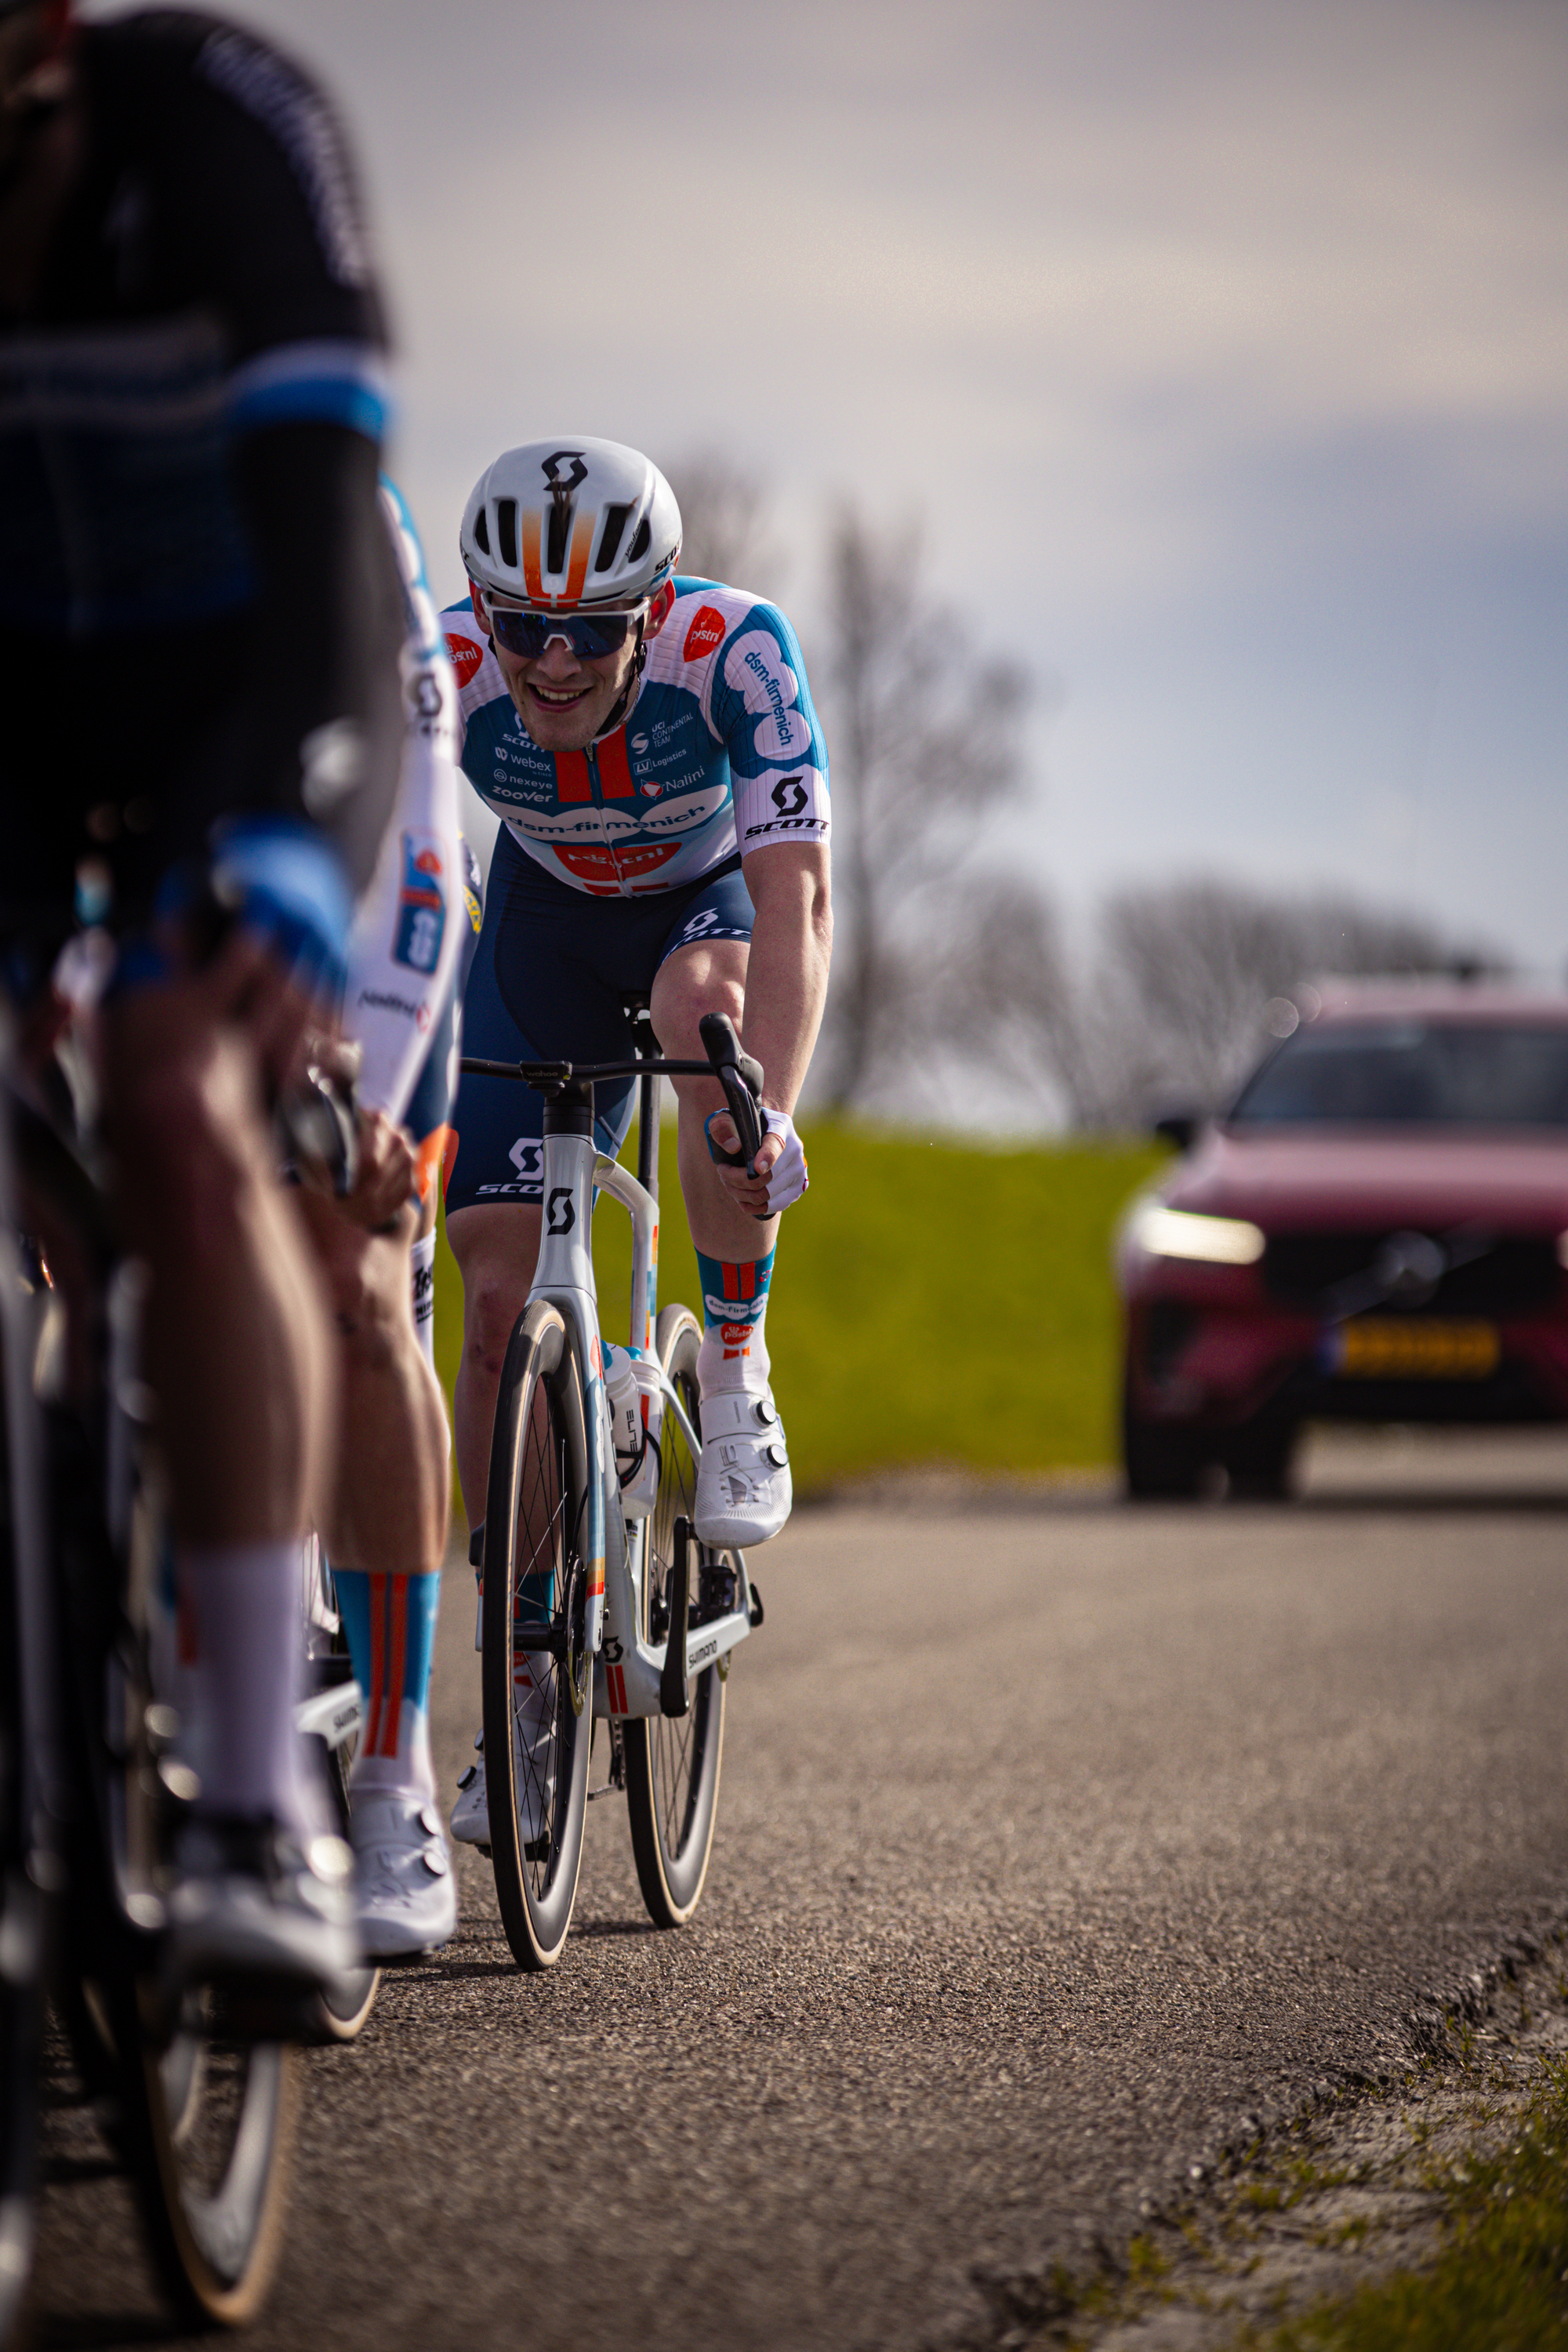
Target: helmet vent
557, 526
481, 532
616, 519
639, 545
506, 532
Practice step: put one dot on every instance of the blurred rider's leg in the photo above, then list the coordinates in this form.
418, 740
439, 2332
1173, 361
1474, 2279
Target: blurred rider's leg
237, 1350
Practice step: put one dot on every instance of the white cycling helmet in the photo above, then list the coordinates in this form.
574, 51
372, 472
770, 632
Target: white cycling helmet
566, 523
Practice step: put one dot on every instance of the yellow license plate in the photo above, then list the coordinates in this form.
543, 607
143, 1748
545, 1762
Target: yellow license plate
1410, 1349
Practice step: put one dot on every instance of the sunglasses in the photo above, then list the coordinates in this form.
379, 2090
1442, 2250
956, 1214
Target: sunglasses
589, 635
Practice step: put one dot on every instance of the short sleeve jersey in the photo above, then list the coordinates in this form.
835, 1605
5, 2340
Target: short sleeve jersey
209, 277
721, 752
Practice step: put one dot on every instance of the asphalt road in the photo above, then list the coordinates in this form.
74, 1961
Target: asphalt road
1054, 1837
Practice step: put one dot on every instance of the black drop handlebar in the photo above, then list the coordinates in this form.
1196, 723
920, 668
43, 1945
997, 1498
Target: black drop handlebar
738, 1072
742, 1080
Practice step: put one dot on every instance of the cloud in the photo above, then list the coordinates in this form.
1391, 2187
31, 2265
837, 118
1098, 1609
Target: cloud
1223, 345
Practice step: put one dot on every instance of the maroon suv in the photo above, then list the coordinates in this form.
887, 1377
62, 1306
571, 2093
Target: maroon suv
1377, 1230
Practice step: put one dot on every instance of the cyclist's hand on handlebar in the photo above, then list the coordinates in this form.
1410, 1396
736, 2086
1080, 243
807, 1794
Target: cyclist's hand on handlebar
780, 1173
383, 1176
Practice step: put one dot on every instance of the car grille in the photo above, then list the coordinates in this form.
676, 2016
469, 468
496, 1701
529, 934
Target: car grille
1513, 1276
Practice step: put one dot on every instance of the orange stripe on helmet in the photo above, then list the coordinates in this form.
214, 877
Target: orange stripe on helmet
577, 564
532, 578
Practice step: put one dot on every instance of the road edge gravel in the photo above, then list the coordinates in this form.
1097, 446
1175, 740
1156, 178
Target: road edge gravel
1150, 2274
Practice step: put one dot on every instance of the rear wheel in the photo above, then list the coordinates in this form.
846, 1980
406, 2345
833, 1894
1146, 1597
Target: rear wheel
537, 1675
213, 2122
22, 1941
343, 2012
673, 1762
208, 2117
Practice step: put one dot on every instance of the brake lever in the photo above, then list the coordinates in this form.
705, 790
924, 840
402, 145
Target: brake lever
741, 1075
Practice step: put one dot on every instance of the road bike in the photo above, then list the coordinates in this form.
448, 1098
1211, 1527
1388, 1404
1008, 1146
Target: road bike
92, 1784
589, 1615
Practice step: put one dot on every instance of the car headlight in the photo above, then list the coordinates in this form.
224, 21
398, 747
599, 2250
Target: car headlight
1215, 1241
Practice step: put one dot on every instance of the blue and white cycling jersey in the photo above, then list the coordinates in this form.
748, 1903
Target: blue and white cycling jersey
411, 926
722, 752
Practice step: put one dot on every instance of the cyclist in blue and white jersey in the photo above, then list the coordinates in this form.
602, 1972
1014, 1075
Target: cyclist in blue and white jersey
199, 629
650, 744
385, 1527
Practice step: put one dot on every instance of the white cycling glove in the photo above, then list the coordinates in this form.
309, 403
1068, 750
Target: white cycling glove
787, 1179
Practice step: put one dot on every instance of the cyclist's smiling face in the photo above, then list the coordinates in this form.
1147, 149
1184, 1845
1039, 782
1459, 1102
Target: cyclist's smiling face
562, 701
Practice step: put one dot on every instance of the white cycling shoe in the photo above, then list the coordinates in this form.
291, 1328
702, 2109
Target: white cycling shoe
406, 1898
744, 1486
533, 1730
264, 1910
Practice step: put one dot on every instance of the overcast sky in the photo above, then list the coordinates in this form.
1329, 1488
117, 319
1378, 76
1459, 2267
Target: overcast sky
1223, 345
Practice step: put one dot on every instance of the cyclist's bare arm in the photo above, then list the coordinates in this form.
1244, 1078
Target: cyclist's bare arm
786, 985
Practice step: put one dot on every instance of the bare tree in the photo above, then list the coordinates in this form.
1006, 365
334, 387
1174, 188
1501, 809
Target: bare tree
1172, 1007
925, 743
723, 518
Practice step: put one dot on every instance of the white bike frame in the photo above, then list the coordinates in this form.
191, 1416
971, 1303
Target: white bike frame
627, 1669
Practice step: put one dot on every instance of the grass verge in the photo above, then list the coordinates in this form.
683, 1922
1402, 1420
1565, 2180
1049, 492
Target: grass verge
1500, 2282
933, 1302
1431, 2216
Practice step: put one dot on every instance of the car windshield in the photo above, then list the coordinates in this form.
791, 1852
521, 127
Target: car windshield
1412, 1073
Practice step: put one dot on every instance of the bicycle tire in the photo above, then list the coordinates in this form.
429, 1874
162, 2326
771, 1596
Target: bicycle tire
535, 1515
673, 1762
342, 2013
22, 1955
207, 2118
212, 2129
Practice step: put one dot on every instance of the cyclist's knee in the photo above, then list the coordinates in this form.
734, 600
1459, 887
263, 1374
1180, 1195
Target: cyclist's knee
692, 982
496, 1250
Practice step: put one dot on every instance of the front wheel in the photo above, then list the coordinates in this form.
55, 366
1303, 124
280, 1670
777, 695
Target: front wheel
673, 1762
536, 1674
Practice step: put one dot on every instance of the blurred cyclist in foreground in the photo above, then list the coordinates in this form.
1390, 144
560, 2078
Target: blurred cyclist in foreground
198, 671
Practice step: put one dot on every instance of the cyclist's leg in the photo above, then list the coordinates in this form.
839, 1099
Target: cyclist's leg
236, 1348
387, 1529
743, 1490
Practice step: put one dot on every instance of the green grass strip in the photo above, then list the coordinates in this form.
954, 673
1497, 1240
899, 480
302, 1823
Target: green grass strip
933, 1302
1500, 2283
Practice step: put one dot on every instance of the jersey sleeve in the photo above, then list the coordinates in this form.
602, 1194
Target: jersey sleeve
268, 193
760, 707
480, 681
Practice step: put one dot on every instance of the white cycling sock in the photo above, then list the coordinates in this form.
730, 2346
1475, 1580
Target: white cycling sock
247, 1675
734, 1353
422, 1266
719, 1368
